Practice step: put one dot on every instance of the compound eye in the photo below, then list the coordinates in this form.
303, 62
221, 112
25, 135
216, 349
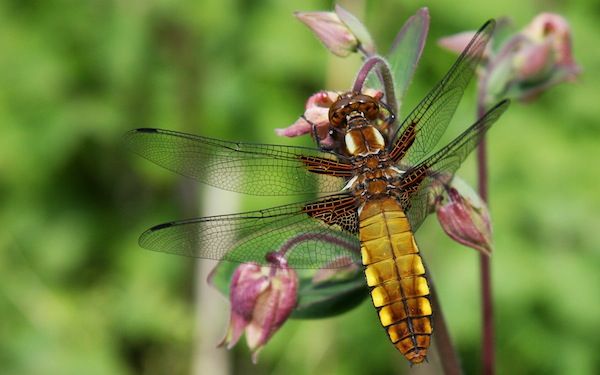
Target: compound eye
336, 118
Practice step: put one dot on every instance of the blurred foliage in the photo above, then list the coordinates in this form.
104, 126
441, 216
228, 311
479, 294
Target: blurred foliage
78, 296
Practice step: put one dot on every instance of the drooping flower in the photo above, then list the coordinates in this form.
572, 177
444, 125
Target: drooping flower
331, 31
457, 42
544, 58
526, 63
553, 29
262, 298
466, 219
340, 31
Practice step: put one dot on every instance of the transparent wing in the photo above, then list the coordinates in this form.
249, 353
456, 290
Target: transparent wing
424, 126
313, 235
420, 203
255, 169
421, 181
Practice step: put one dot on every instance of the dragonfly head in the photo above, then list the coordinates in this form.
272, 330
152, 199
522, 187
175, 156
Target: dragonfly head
353, 105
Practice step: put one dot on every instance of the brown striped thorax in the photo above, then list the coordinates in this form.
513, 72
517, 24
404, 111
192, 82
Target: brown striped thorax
356, 116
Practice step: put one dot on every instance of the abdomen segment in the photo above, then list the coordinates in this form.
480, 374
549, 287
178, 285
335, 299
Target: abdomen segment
396, 276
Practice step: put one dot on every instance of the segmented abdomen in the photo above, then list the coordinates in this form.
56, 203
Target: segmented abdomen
396, 277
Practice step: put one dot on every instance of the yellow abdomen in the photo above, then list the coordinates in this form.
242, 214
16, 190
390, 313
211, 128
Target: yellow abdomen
396, 276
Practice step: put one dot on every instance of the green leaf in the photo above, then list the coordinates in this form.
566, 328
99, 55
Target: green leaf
329, 299
406, 51
220, 277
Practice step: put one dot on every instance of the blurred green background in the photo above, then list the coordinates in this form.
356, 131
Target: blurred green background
77, 294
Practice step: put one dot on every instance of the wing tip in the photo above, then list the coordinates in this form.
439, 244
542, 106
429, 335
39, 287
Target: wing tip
501, 105
491, 23
130, 136
485, 32
159, 226
144, 240
145, 130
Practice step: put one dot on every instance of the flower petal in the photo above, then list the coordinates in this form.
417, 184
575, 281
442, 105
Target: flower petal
237, 325
465, 223
331, 31
358, 29
317, 114
300, 127
457, 42
533, 60
322, 99
273, 306
248, 283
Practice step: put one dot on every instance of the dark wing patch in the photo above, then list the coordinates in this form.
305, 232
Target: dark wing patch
338, 210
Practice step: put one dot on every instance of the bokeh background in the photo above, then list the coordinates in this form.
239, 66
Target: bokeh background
77, 294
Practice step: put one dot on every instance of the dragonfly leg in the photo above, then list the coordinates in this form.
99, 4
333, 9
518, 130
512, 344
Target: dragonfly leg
315, 134
392, 116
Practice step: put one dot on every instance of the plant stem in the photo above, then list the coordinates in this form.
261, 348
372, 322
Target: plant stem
443, 342
385, 75
179, 44
487, 343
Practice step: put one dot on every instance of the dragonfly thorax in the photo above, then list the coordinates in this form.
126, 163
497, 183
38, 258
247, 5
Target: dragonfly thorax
364, 141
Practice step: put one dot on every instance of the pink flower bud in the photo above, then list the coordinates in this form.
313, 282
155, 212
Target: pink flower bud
465, 222
552, 29
262, 298
329, 29
533, 61
457, 42
526, 63
545, 56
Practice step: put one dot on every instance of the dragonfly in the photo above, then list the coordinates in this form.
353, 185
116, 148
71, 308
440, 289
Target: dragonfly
373, 189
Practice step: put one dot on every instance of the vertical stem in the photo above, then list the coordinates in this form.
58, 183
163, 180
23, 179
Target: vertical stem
180, 43
487, 344
443, 342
